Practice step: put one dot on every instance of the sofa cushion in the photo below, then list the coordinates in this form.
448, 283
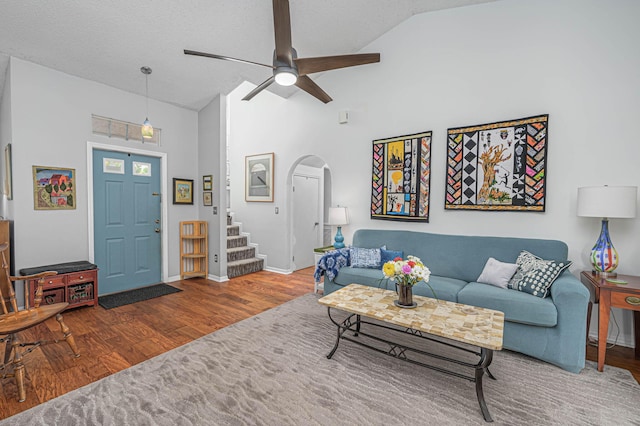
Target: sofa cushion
535, 275
371, 277
444, 288
497, 273
458, 256
517, 306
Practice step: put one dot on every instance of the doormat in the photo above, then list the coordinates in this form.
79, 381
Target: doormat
136, 295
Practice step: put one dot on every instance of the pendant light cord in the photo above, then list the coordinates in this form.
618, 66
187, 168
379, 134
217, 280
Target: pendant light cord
146, 78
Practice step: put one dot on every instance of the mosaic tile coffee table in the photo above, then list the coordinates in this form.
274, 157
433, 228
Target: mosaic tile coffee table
478, 327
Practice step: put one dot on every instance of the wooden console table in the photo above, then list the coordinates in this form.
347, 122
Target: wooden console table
609, 294
76, 283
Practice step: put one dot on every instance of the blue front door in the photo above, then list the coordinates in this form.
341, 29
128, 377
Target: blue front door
126, 206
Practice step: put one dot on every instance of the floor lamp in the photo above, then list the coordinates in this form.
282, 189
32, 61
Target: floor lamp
607, 202
338, 217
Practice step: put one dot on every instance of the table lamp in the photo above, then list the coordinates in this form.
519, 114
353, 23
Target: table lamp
606, 202
338, 217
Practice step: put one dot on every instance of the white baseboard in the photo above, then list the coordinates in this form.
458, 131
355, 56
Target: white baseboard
611, 340
209, 277
218, 279
278, 270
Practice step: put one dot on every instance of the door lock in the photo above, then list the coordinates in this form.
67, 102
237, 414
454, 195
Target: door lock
157, 230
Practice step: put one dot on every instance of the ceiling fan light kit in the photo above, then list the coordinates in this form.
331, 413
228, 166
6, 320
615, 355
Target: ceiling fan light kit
286, 76
287, 68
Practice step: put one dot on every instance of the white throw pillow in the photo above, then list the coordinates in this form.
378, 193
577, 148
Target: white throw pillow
497, 273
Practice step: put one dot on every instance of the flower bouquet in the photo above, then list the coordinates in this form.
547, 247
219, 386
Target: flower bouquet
406, 274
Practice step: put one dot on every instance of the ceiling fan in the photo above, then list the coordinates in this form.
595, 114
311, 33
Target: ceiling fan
287, 68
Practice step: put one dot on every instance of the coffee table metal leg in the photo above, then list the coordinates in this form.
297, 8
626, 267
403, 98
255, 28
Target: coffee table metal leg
486, 355
341, 329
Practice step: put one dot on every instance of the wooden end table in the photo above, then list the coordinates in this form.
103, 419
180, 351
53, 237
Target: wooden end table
609, 294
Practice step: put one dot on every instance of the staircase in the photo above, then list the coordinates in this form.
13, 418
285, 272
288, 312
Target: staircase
241, 259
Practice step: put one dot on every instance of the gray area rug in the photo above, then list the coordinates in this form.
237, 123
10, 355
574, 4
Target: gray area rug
272, 369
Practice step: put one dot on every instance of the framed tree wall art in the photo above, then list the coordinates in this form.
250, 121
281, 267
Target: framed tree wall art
400, 184
498, 166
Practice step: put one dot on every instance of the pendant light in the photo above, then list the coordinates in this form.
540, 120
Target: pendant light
147, 128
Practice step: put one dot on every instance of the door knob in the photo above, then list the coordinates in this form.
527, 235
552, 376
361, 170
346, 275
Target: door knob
157, 230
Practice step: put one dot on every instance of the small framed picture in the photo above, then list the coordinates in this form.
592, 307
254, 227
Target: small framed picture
207, 183
207, 198
182, 191
259, 177
8, 185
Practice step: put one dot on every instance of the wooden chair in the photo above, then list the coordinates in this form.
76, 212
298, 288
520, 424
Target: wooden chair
13, 321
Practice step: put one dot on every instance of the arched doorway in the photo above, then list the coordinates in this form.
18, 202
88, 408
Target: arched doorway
309, 183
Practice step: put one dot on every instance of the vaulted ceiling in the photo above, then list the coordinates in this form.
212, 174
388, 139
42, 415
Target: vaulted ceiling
107, 41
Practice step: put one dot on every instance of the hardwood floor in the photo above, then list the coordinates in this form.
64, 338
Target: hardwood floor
115, 339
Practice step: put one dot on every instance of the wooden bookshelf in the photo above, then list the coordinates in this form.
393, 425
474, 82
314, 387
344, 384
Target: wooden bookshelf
194, 249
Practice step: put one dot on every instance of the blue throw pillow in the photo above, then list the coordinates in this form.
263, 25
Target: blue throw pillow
387, 255
365, 257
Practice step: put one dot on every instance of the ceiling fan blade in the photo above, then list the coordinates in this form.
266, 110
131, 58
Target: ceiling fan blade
326, 63
260, 88
282, 29
306, 84
224, 58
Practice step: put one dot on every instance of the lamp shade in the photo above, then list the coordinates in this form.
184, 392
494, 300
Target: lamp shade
607, 201
338, 216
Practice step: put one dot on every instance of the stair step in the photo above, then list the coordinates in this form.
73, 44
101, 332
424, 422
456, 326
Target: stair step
240, 253
243, 267
236, 241
233, 230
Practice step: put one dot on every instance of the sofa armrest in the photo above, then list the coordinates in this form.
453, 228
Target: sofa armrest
568, 290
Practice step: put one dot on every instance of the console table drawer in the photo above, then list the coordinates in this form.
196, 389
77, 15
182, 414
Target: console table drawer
81, 277
55, 281
625, 300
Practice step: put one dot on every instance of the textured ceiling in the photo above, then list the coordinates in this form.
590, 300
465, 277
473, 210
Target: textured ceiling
109, 40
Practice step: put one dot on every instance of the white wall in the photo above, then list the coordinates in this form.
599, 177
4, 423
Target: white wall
5, 138
576, 60
51, 125
212, 154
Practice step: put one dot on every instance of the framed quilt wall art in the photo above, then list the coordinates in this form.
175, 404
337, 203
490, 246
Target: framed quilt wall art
401, 178
498, 166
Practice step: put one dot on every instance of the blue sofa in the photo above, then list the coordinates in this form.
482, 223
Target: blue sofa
552, 329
